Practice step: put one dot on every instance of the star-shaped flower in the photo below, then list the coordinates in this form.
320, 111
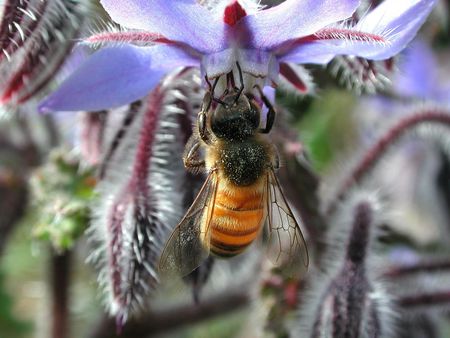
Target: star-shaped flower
183, 33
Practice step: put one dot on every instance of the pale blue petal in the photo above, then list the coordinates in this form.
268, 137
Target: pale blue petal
292, 19
417, 75
314, 53
178, 20
381, 34
443, 94
115, 76
396, 21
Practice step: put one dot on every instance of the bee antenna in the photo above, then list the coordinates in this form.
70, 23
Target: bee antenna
241, 79
208, 82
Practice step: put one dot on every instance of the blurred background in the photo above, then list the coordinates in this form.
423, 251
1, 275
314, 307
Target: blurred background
56, 171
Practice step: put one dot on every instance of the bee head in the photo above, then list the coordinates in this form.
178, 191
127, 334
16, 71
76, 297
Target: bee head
235, 117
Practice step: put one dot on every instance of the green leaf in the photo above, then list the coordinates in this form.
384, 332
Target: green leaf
327, 128
10, 326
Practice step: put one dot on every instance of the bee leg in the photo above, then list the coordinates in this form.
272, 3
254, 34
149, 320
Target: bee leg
207, 101
270, 121
205, 135
202, 130
189, 159
270, 114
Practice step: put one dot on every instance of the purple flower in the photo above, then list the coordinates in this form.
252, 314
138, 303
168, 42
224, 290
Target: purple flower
182, 33
419, 76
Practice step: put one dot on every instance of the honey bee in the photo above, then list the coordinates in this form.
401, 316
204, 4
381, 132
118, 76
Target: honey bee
241, 198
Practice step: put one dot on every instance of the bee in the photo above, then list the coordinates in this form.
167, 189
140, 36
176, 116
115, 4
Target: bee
241, 198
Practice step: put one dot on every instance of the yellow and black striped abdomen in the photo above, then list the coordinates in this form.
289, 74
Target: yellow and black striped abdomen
237, 217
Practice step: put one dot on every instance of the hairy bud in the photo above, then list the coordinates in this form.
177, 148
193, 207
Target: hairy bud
350, 302
36, 36
140, 203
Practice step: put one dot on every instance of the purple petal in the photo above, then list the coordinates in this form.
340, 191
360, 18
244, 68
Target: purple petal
178, 20
115, 76
418, 72
314, 53
381, 34
293, 19
397, 21
443, 94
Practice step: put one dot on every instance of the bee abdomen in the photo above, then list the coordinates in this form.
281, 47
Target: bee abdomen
236, 221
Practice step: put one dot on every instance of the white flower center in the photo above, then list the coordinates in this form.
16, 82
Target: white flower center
255, 63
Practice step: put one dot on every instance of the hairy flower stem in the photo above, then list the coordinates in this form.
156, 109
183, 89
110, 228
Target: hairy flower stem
353, 281
163, 320
358, 242
13, 198
140, 195
347, 307
425, 300
372, 157
136, 194
405, 271
144, 148
60, 282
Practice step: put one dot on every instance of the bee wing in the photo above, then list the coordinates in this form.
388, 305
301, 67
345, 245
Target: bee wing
185, 250
283, 233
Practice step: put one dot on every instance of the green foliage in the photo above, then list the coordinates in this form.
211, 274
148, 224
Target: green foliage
327, 128
10, 327
62, 191
220, 327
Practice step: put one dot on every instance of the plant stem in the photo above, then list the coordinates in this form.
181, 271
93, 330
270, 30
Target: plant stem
372, 157
60, 282
174, 317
